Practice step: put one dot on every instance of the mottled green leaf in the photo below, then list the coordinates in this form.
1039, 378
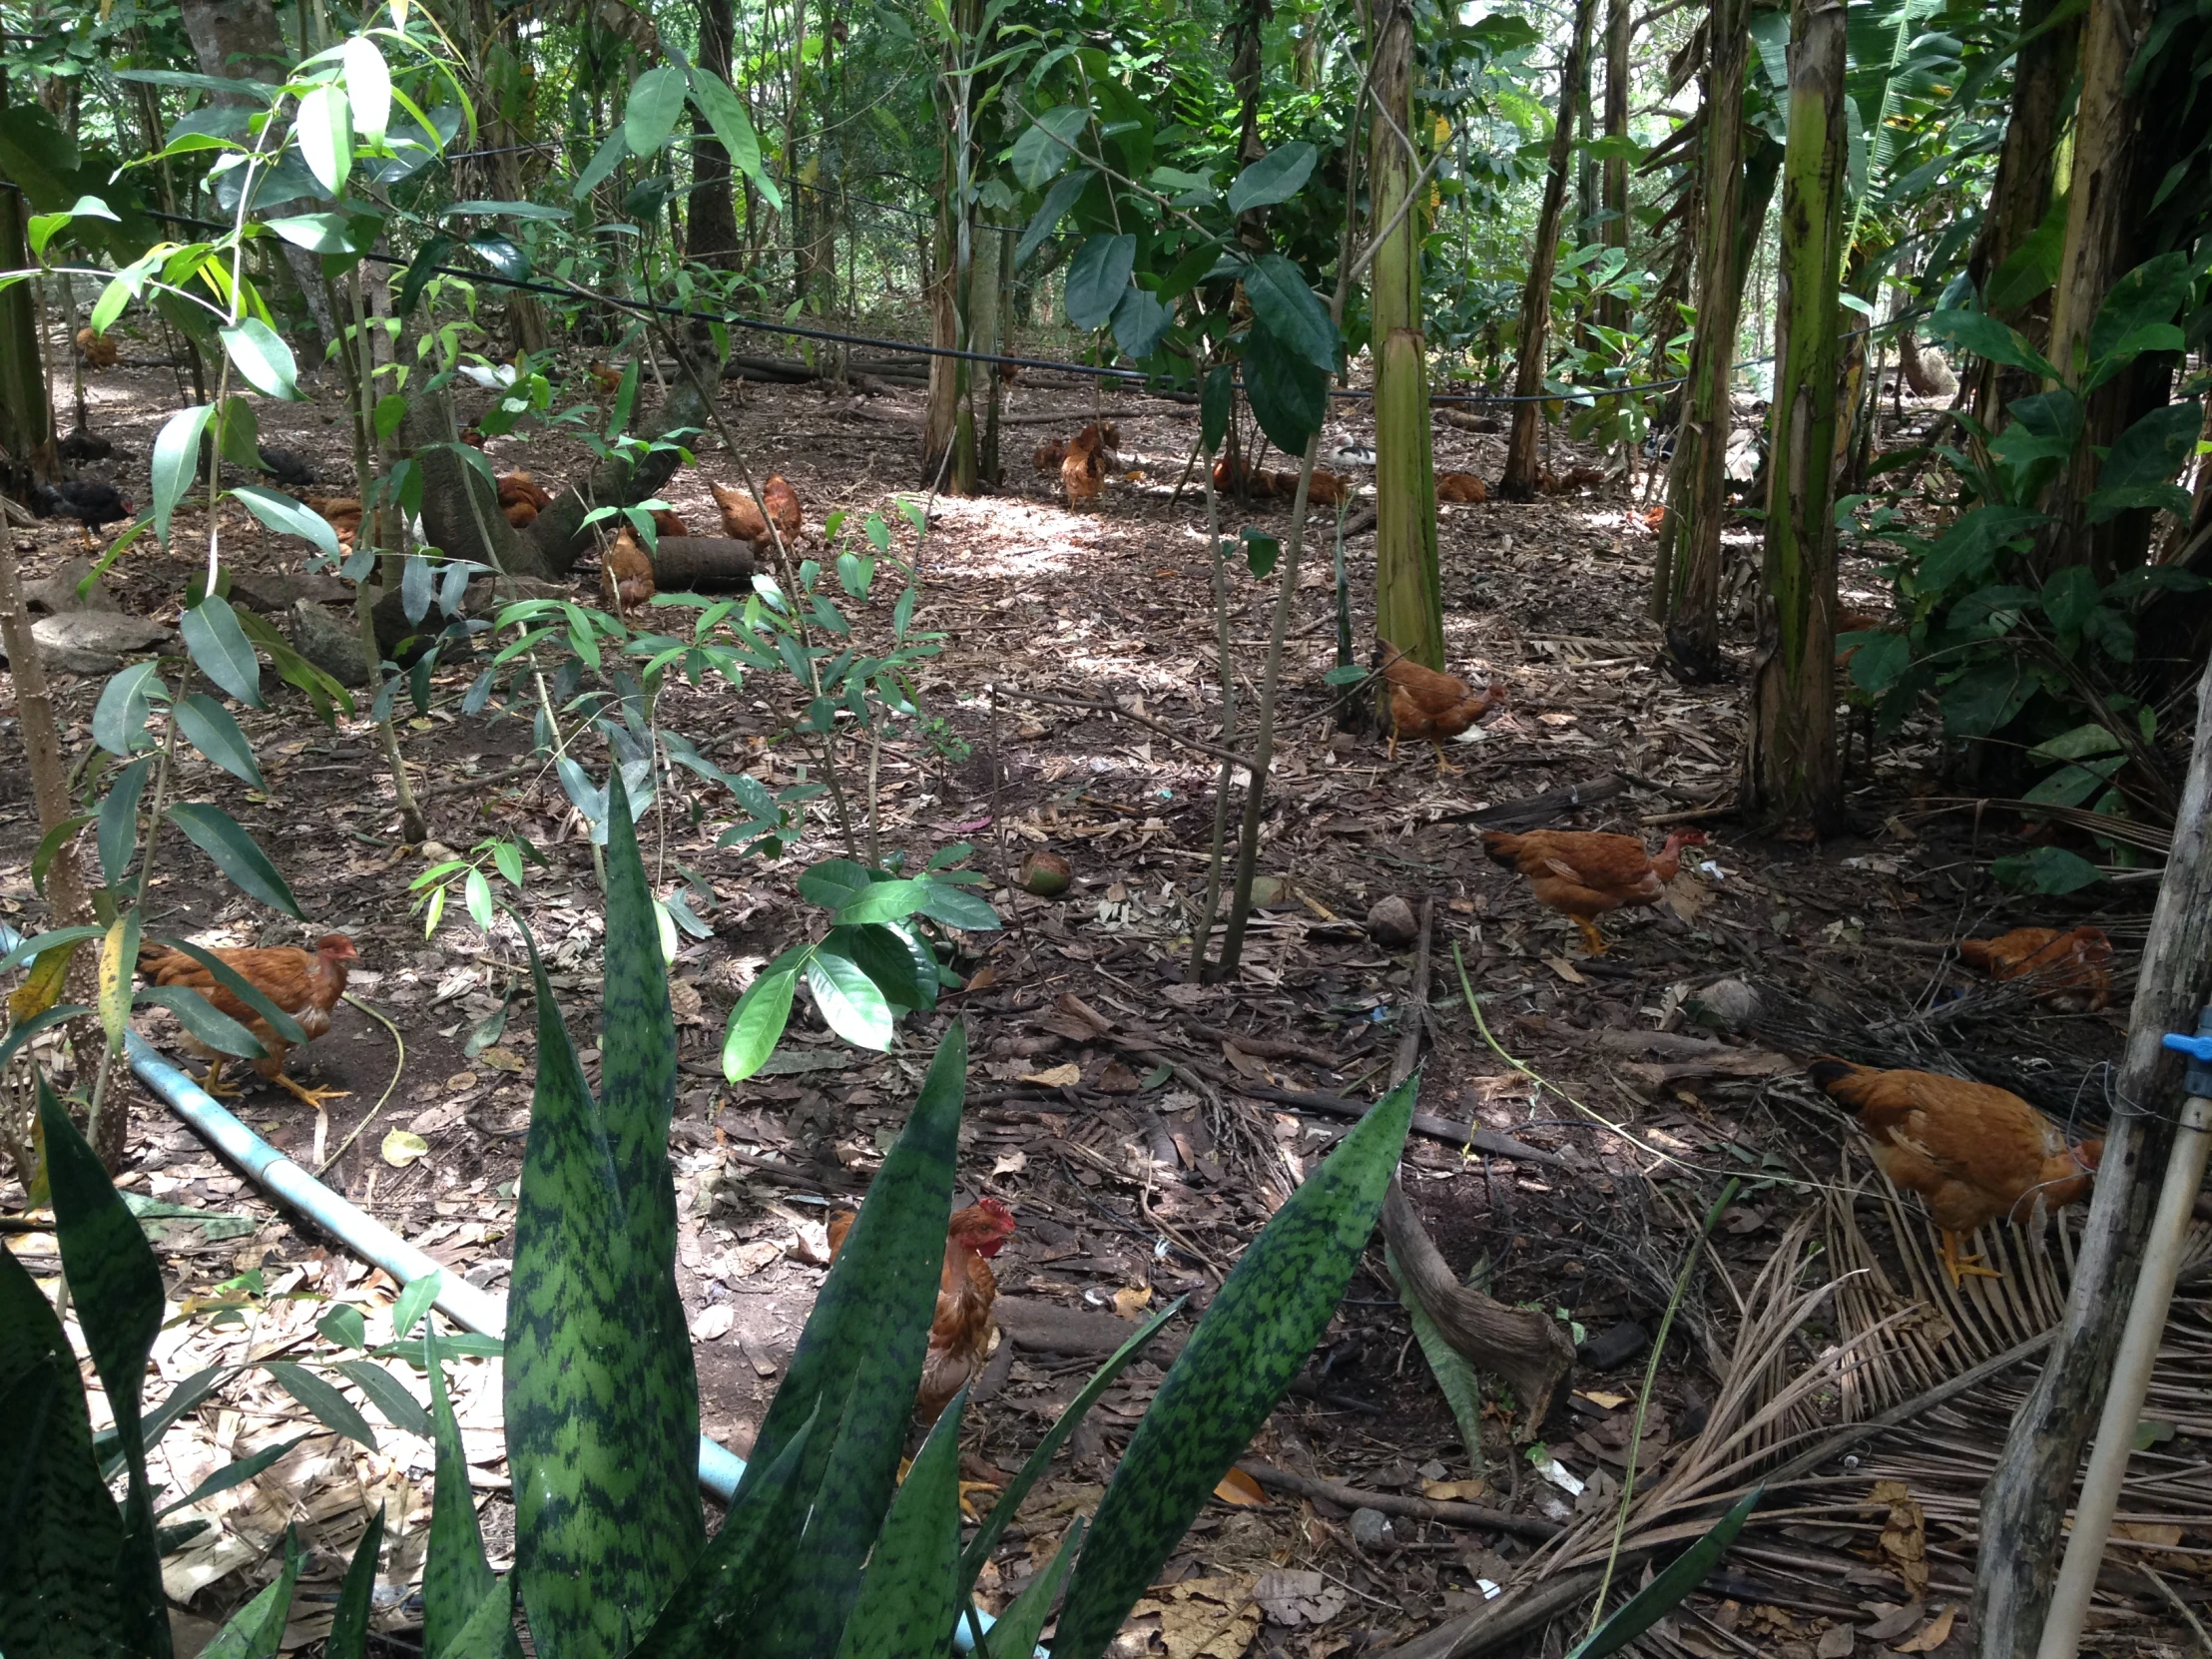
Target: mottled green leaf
456, 1576
1286, 307
256, 1630
905, 1602
1257, 1333
863, 1345
1097, 278
348, 1638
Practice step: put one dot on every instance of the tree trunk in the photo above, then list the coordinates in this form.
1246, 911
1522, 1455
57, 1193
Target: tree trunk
2021, 197
1408, 602
1519, 481
714, 202
1792, 776
2023, 1508
242, 40
1620, 32
2099, 246
986, 305
948, 438
26, 411
1687, 585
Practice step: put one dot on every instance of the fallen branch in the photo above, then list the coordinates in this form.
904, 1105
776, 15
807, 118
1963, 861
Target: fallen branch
1161, 727
1443, 1129
1390, 1504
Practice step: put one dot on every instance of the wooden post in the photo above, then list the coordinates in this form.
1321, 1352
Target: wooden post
2024, 1506
1792, 776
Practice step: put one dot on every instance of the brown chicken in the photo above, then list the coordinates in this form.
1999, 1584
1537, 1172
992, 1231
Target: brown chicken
1426, 704
2068, 971
626, 574
666, 523
608, 381
742, 520
1583, 873
1460, 487
1050, 454
342, 513
960, 1335
305, 984
96, 349
522, 498
1083, 469
1262, 483
1973, 1152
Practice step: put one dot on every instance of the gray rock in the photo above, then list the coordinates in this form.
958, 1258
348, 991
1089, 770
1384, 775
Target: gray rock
1370, 1529
280, 590
1391, 923
93, 642
328, 643
57, 594
1727, 1004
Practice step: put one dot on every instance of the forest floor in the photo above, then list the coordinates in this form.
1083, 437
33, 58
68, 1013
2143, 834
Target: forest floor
1144, 1127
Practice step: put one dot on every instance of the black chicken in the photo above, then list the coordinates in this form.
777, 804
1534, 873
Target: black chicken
87, 500
82, 447
287, 466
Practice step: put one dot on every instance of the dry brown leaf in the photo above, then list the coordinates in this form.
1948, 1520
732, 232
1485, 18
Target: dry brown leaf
1454, 1491
1010, 1163
1296, 1599
1905, 1535
1206, 1618
1597, 1397
1248, 1065
1936, 1632
1837, 1642
1131, 1300
1064, 1076
1894, 1620
2146, 1532
1565, 971
502, 1059
1240, 1488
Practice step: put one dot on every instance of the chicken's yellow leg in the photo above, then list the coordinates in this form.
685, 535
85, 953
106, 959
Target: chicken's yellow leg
1593, 940
212, 1083
1961, 1268
1443, 765
314, 1097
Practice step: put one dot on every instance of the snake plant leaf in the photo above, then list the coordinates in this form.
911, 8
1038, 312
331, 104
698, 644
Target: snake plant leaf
118, 1287
457, 1574
1462, 1390
1017, 1489
348, 1638
742, 1565
905, 1603
865, 1343
1014, 1636
257, 1628
1667, 1588
601, 1403
1245, 1353
57, 1578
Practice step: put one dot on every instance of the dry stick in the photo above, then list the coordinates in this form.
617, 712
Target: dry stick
1203, 934
1390, 1504
1225, 756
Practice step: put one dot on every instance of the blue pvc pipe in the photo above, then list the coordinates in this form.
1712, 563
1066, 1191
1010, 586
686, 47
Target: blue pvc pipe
467, 1304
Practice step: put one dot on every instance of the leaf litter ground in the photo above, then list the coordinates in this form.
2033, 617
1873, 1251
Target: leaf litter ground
1142, 1127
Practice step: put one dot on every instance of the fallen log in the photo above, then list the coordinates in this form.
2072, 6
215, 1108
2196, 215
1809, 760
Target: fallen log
703, 564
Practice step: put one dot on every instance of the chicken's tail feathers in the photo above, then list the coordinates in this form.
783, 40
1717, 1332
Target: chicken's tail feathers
1502, 847
1974, 952
1827, 1071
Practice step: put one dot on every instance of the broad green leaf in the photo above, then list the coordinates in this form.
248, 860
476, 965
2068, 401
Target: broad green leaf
1257, 1333
220, 836
1986, 337
205, 1020
118, 1293
1286, 307
1288, 395
2075, 744
1057, 201
476, 894
848, 1002
884, 902
956, 906
260, 354
1456, 1379
2139, 468
1876, 659
602, 1405
256, 1630
2069, 596
1260, 552
57, 1581
234, 1473
756, 1022
432, 253
1214, 406
1276, 177
289, 517
38, 944
1985, 698
119, 718
2033, 266
2137, 315
388, 1394
1032, 1470
604, 160
2071, 786
323, 128
833, 883
456, 1576
207, 724
862, 1354
348, 1637
1047, 145
367, 88
2047, 869
319, 232
221, 650
909, 1589
1140, 323
1670, 1587
323, 1401
726, 114
1098, 277
881, 954
176, 461
655, 100
1965, 551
